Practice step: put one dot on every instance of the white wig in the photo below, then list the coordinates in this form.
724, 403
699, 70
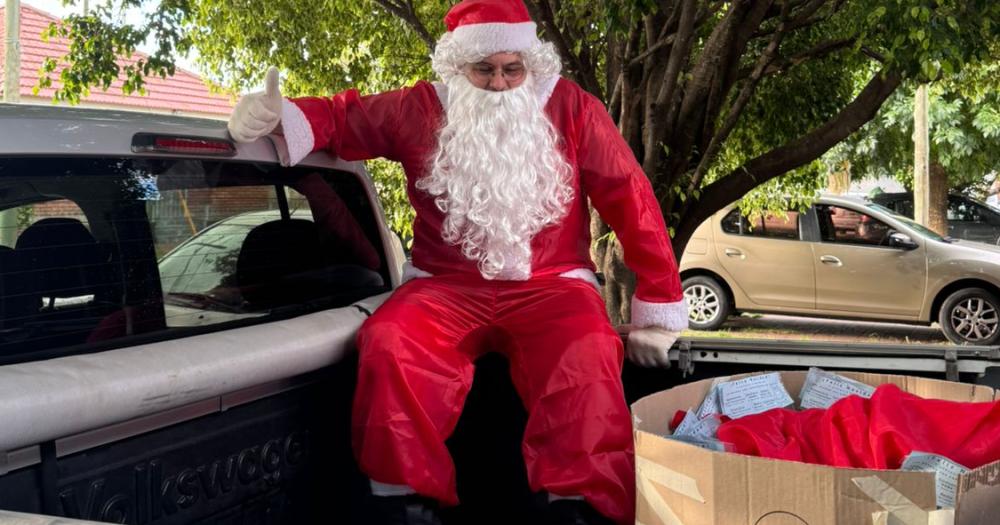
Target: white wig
450, 57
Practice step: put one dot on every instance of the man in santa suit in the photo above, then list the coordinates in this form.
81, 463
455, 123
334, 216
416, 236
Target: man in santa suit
501, 157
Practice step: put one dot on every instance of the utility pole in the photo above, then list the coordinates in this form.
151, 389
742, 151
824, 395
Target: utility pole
921, 159
12, 52
12, 95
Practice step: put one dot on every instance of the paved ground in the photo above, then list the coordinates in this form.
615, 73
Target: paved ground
809, 329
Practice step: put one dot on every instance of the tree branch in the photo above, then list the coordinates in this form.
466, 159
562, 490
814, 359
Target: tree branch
621, 61
678, 55
713, 76
802, 19
409, 15
798, 152
666, 38
669, 39
819, 51
542, 13
878, 57
736, 109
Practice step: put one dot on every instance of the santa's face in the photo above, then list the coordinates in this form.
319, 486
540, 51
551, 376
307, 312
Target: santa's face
498, 72
497, 175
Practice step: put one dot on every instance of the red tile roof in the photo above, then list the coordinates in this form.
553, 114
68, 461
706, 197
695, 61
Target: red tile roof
185, 91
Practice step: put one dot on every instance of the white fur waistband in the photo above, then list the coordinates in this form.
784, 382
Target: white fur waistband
584, 274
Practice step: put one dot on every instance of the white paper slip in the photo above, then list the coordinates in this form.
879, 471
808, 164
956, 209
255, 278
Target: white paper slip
753, 395
687, 424
705, 427
710, 405
707, 443
945, 471
823, 389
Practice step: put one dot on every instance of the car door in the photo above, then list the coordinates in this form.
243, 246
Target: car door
858, 272
991, 223
768, 259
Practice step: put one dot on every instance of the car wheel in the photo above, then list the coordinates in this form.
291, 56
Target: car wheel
971, 316
707, 301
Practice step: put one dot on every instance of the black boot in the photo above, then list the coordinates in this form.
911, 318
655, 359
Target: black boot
404, 510
574, 512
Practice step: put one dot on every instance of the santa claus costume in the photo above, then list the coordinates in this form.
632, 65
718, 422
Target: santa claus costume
500, 183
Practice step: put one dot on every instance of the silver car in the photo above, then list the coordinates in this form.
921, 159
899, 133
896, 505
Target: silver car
843, 258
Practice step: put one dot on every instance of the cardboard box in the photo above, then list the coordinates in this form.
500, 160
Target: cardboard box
682, 484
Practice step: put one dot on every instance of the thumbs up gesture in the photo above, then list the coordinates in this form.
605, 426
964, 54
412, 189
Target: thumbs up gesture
257, 114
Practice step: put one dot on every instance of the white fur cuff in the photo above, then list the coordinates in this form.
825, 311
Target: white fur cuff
671, 316
298, 132
487, 39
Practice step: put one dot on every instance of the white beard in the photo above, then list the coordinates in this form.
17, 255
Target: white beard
497, 175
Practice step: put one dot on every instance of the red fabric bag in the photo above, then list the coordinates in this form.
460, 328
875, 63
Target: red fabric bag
872, 433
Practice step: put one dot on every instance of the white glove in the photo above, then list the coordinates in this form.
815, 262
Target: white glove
649, 346
257, 114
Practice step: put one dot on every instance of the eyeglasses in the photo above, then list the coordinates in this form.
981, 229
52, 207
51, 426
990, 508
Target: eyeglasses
511, 72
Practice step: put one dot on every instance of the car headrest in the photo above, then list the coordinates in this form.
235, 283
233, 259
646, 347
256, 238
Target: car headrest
277, 260
62, 259
9, 277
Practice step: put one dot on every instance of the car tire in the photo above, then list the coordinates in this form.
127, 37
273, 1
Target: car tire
971, 316
708, 302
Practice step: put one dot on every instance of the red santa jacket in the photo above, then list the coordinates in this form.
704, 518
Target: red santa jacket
402, 126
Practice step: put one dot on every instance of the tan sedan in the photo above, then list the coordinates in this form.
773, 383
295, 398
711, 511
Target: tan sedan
844, 258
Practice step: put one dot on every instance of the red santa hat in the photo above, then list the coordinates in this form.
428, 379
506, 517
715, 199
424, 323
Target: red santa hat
491, 26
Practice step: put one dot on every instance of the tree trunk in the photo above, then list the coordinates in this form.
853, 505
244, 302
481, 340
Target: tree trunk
619, 284
921, 158
938, 205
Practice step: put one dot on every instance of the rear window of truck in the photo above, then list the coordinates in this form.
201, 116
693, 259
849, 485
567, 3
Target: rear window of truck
98, 253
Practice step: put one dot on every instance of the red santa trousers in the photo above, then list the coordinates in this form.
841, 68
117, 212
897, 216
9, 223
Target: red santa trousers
416, 367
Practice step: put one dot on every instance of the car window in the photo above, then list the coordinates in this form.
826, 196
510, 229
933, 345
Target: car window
40, 219
97, 253
847, 226
201, 263
922, 230
776, 226
18, 218
964, 210
961, 210
904, 207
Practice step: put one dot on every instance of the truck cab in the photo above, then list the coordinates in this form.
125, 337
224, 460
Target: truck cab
176, 320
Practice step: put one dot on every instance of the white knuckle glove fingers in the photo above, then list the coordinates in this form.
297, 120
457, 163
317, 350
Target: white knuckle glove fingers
257, 114
251, 119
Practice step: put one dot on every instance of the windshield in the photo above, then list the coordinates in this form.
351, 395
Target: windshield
922, 230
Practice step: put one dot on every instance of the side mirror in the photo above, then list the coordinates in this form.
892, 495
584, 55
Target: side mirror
902, 241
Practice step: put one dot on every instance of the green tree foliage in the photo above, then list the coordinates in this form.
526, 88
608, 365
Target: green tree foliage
98, 39
714, 97
964, 121
390, 182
